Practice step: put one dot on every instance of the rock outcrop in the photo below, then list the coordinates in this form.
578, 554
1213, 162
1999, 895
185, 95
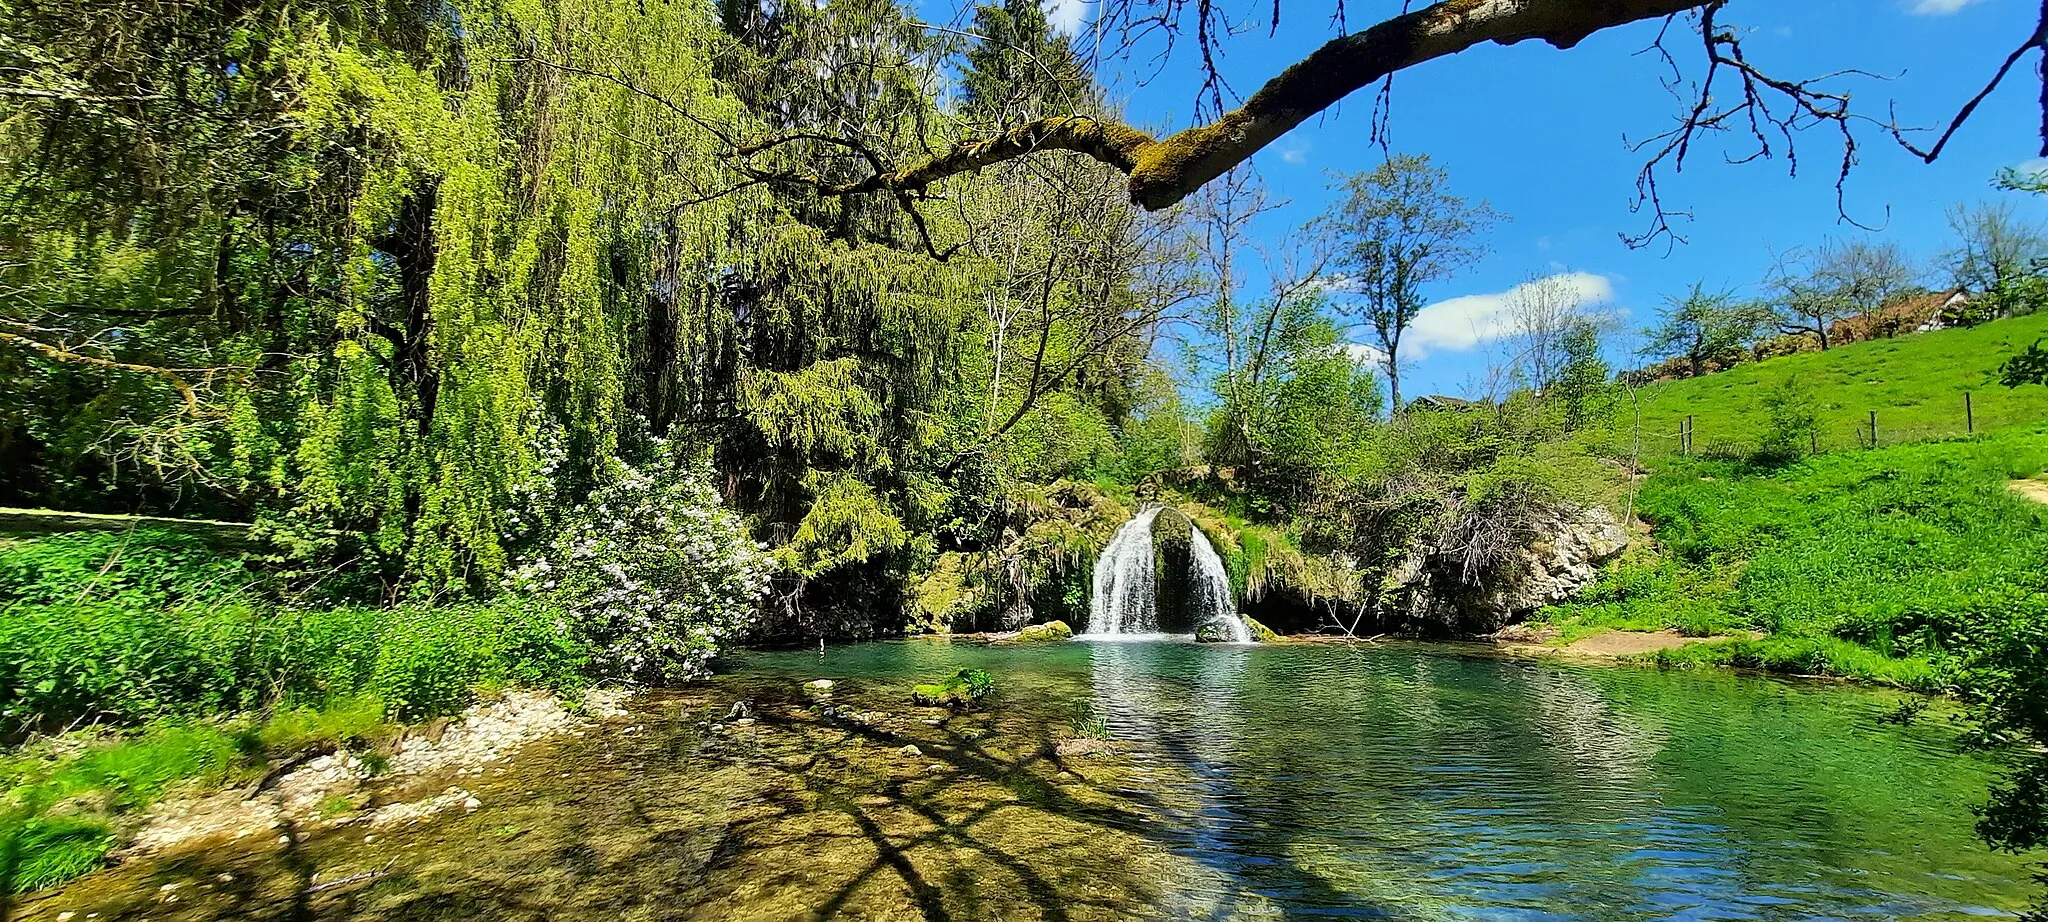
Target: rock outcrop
1564, 556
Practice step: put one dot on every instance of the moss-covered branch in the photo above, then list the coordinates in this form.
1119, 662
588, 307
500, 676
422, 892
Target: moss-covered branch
1164, 171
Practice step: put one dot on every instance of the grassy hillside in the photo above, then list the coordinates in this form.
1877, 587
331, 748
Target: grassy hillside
1879, 565
1915, 383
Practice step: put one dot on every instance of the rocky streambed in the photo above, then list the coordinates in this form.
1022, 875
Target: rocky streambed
742, 799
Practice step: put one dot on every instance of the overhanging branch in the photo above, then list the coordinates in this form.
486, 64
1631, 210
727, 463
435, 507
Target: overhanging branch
1164, 171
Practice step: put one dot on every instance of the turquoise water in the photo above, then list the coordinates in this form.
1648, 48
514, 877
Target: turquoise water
1395, 781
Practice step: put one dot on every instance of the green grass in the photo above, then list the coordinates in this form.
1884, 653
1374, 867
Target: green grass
1873, 565
1915, 383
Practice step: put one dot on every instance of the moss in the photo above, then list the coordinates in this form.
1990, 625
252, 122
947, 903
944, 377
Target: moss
1260, 632
1040, 633
961, 691
949, 594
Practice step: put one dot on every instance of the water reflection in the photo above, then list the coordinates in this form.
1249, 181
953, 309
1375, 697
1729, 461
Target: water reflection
1326, 783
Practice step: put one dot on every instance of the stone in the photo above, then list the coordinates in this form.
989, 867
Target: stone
912, 751
1041, 633
818, 687
1561, 558
471, 803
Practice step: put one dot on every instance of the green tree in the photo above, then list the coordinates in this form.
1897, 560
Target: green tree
1401, 230
1703, 327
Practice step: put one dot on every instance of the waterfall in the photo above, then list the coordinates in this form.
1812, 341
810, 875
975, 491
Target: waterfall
1126, 600
1125, 584
1214, 600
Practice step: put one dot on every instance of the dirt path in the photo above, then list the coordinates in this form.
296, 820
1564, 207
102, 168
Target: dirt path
1608, 644
2036, 490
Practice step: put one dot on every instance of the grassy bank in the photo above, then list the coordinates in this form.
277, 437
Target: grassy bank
1877, 565
133, 663
1915, 383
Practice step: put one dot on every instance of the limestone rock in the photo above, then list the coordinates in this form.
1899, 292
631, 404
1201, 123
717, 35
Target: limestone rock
1563, 557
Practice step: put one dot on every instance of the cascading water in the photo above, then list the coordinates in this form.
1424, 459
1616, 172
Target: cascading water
1126, 600
1215, 603
1125, 584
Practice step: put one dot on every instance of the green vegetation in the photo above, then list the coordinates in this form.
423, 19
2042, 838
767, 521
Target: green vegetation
1915, 383
1879, 565
961, 690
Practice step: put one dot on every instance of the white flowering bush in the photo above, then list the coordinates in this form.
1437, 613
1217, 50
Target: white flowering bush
654, 572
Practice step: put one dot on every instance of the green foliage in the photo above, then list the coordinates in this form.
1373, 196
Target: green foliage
134, 628
1704, 328
141, 569
1792, 420
2028, 367
1882, 565
961, 690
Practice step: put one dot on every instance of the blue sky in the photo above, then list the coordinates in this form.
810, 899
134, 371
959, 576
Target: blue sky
1540, 132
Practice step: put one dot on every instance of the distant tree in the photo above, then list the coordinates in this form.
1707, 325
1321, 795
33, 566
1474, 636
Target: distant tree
1702, 326
1541, 314
1816, 288
1399, 230
1994, 247
1584, 379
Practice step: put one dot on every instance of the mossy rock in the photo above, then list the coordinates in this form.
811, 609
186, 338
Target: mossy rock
1260, 632
1040, 633
960, 691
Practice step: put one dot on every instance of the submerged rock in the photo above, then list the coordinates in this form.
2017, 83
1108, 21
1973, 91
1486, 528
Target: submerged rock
1039, 633
960, 690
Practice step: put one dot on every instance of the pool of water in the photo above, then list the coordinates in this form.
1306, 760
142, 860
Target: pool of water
1400, 781
1291, 781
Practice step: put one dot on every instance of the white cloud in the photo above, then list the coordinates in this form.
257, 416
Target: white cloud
1365, 354
1938, 7
1295, 153
1462, 323
2035, 167
1068, 16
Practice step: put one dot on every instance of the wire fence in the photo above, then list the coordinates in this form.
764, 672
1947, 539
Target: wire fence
1743, 434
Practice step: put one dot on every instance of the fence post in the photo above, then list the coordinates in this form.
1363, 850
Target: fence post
1685, 436
1873, 428
1813, 441
1969, 415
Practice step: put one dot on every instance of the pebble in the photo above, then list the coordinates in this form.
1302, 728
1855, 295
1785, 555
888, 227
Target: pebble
819, 686
745, 721
912, 750
471, 803
65, 916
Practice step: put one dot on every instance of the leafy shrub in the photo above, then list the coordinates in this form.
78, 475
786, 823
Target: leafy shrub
1792, 420
654, 572
431, 659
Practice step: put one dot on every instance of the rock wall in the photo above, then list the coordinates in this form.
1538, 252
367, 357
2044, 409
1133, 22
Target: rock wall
1568, 545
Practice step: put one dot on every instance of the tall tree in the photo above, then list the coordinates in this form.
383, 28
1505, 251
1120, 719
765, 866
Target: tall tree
1996, 253
1400, 230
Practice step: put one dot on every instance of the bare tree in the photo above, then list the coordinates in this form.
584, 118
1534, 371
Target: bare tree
1816, 288
1399, 230
1994, 246
1542, 313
